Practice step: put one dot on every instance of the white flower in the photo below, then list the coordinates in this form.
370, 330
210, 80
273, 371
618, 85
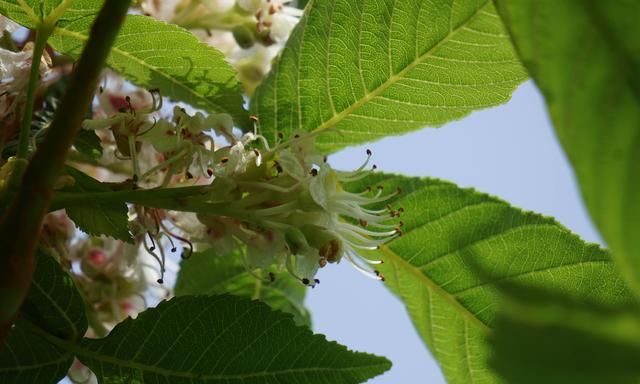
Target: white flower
164, 10
274, 16
8, 25
110, 278
14, 77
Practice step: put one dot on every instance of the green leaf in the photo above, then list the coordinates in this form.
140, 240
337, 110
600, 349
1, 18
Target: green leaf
108, 219
585, 57
361, 70
222, 339
53, 302
54, 306
449, 230
209, 273
558, 340
153, 54
27, 357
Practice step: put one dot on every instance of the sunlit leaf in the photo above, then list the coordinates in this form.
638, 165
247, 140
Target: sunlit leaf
448, 231
361, 70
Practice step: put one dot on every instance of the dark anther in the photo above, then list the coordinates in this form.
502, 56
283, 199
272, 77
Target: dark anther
380, 187
377, 272
101, 89
296, 136
324, 159
135, 178
374, 167
314, 172
173, 249
188, 175
305, 281
256, 152
160, 281
280, 135
316, 281
272, 277
209, 172
363, 223
368, 152
224, 160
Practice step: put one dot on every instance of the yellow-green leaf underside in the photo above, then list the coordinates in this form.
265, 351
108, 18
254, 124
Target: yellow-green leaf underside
361, 70
449, 235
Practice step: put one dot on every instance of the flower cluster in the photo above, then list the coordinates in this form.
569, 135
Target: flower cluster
109, 273
290, 208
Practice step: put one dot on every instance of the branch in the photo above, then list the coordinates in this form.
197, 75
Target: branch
20, 224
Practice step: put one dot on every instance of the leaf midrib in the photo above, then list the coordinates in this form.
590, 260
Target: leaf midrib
432, 286
336, 118
80, 351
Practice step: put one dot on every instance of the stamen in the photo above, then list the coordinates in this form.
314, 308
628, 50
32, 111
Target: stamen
360, 269
184, 255
158, 259
128, 100
153, 244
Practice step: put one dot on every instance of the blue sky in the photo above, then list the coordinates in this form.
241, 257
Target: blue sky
511, 152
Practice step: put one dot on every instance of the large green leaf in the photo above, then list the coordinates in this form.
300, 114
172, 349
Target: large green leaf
547, 338
585, 57
53, 306
222, 339
209, 273
153, 54
362, 70
108, 219
449, 232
